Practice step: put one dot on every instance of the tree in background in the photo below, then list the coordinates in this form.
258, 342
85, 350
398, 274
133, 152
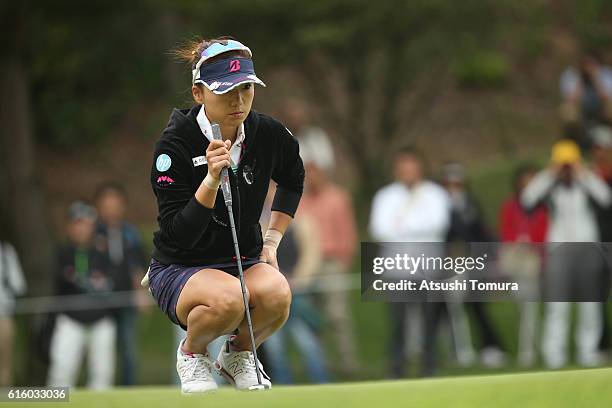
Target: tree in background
23, 200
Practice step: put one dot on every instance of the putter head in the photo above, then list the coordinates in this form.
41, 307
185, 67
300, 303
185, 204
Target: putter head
257, 387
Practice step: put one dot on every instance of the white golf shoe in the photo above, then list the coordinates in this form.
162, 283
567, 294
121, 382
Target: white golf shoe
238, 368
195, 372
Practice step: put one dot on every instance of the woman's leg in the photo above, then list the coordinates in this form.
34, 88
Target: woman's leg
528, 327
310, 349
397, 340
210, 305
588, 333
555, 333
6, 350
67, 346
277, 361
101, 358
270, 298
127, 319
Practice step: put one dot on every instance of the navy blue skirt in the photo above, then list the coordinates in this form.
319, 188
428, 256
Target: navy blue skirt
167, 281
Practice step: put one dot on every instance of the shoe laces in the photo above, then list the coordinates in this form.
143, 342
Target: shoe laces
199, 367
242, 362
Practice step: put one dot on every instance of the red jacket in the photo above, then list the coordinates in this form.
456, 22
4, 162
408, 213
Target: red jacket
518, 225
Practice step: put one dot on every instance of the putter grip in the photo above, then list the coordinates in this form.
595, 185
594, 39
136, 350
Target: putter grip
224, 175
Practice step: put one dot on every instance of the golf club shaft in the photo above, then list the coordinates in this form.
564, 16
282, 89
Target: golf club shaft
227, 196
244, 293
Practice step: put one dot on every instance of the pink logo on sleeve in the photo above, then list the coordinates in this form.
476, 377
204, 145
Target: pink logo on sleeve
164, 181
234, 65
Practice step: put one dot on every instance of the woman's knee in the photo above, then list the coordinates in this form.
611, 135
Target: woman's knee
224, 306
213, 289
275, 297
228, 303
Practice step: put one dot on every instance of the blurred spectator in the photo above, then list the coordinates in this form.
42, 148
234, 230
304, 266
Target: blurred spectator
516, 224
601, 155
299, 259
83, 279
572, 192
331, 210
586, 93
411, 209
311, 138
602, 158
467, 225
121, 241
12, 283
518, 258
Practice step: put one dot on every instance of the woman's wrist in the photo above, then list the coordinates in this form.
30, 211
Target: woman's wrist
212, 182
272, 239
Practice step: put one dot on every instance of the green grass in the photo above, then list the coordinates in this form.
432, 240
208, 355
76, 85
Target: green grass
588, 388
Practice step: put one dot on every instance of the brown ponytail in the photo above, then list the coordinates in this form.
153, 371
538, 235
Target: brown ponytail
191, 50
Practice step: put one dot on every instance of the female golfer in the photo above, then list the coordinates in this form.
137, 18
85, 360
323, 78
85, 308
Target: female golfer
193, 273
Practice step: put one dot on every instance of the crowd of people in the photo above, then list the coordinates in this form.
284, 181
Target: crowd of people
96, 283
100, 266
568, 201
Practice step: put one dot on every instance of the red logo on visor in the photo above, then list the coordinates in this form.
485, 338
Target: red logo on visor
234, 65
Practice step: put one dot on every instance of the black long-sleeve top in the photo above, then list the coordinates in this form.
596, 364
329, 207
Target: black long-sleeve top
86, 272
191, 234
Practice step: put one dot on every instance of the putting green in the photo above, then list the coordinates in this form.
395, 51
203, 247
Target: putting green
576, 388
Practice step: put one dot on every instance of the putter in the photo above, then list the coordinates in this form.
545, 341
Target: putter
227, 196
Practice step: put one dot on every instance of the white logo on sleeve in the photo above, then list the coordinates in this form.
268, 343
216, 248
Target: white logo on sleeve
163, 162
198, 161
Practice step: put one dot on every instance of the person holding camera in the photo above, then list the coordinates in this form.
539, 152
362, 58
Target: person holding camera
574, 263
586, 98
